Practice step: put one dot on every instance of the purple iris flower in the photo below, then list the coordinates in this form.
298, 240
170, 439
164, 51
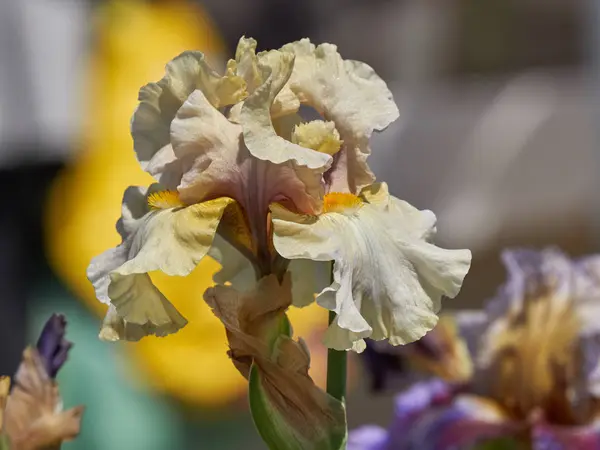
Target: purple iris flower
529, 366
52, 345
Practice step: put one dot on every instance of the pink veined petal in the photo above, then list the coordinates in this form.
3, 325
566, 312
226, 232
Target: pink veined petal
219, 164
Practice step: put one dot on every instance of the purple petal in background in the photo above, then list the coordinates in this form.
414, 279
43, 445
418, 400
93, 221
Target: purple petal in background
410, 405
547, 437
420, 397
532, 273
369, 437
52, 345
459, 425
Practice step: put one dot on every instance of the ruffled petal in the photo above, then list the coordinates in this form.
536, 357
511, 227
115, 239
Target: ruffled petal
388, 279
348, 93
139, 303
114, 328
159, 102
259, 135
308, 279
134, 207
247, 63
250, 66
172, 240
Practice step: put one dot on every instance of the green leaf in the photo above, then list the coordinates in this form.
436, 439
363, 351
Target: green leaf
279, 434
4, 444
285, 327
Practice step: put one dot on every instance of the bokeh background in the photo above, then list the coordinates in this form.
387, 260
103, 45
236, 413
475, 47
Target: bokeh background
498, 135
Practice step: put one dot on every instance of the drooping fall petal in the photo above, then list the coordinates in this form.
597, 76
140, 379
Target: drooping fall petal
388, 277
169, 237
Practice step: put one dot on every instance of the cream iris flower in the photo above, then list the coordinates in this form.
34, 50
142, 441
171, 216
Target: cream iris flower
233, 154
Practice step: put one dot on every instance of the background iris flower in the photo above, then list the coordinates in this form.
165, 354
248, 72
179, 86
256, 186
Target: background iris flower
532, 372
32, 415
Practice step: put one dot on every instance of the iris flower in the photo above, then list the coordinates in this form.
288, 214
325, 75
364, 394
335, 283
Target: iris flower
534, 374
242, 175
32, 415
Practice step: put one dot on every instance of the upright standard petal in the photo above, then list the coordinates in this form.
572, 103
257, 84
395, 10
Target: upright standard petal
286, 404
259, 133
388, 278
251, 67
159, 102
350, 94
222, 166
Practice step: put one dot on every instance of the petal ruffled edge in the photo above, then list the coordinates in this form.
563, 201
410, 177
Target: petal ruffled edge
255, 117
160, 101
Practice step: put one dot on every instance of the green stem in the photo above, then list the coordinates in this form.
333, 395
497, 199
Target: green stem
336, 370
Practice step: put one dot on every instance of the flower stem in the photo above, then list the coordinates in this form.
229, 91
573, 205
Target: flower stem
336, 370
